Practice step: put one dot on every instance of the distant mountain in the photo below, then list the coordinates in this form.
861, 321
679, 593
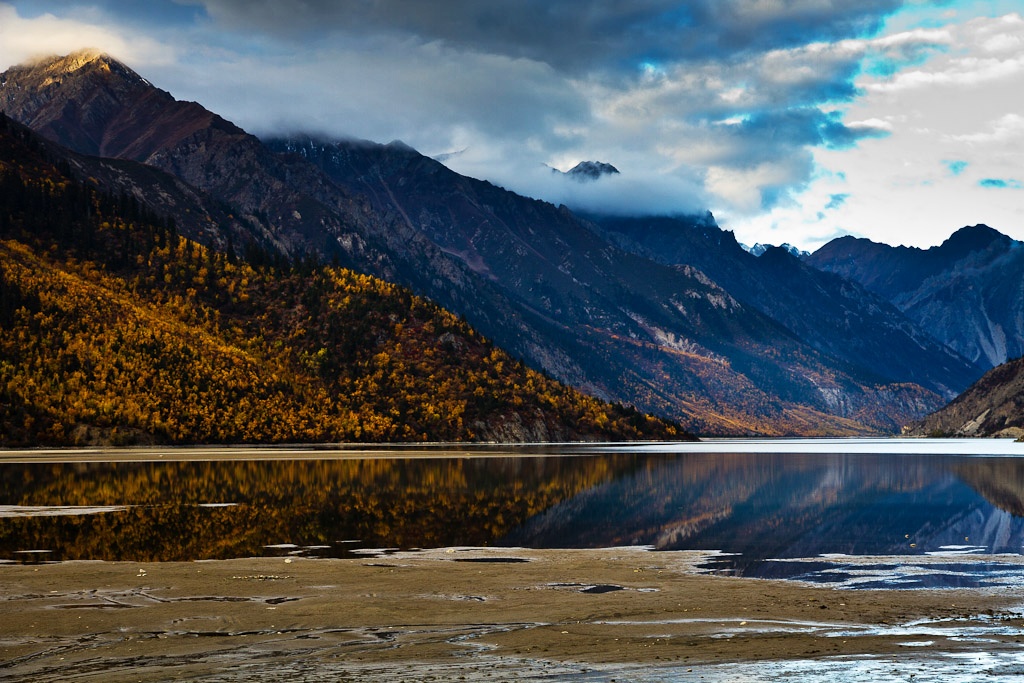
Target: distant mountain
831, 314
115, 329
562, 267
550, 287
759, 249
992, 406
968, 293
586, 171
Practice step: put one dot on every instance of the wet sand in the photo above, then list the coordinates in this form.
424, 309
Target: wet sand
481, 614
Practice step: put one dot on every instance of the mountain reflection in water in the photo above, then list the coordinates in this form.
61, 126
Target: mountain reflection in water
762, 507
758, 506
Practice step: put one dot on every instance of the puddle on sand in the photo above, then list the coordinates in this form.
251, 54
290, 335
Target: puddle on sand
934, 570
495, 560
948, 668
591, 588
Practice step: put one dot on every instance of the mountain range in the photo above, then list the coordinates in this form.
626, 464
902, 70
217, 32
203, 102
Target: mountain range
968, 292
668, 314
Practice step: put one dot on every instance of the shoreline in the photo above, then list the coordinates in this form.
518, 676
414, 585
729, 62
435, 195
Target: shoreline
872, 445
473, 612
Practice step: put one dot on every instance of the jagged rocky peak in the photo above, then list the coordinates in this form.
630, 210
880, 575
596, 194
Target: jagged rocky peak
51, 69
760, 249
586, 171
93, 104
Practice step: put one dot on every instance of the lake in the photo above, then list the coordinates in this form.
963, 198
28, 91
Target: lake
827, 511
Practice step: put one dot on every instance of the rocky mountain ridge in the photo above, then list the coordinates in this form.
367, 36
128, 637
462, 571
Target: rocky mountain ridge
834, 315
759, 249
549, 286
586, 171
967, 293
567, 257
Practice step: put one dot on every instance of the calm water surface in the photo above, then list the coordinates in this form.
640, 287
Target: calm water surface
821, 511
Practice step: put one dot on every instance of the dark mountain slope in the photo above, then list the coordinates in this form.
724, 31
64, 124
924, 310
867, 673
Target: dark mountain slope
95, 105
992, 406
558, 266
114, 328
832, 314
890, 271
968, 293
535, 278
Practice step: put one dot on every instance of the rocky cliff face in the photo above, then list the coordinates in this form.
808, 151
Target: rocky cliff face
543, 283
967, 293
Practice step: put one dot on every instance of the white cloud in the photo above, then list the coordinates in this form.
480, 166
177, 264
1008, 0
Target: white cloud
1004, 129
753, 116
960, 108
872, 124
23, 39
988, 51
961, 72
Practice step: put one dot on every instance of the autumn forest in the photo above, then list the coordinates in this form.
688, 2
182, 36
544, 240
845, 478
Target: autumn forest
115, 329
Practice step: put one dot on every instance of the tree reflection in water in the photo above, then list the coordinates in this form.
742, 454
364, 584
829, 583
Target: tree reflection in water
757, 505
175, 510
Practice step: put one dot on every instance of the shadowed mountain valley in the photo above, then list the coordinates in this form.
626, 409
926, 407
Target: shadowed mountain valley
968, 293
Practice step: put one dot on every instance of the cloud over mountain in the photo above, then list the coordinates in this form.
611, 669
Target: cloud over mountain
748, 107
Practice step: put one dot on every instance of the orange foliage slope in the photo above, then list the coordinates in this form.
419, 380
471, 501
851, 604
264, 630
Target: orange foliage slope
117, 330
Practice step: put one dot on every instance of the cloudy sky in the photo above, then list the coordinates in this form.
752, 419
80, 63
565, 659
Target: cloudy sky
792, 120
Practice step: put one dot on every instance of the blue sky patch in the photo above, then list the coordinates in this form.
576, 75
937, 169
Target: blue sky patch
1001, 183
956, 167
836, 200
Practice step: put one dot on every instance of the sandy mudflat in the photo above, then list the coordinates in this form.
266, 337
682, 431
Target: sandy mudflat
481, 614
